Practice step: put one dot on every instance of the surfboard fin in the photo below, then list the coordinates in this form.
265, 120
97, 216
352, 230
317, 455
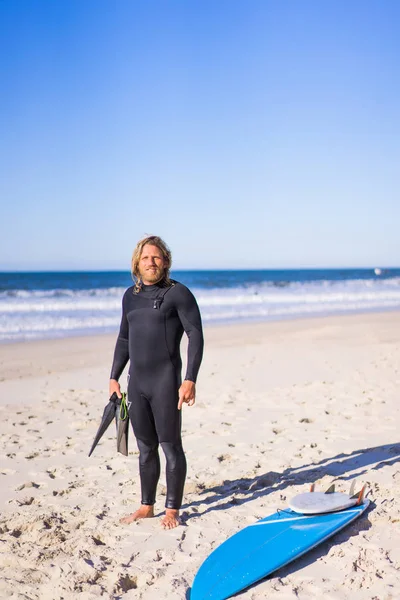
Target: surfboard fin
360, 495
352, 486
331, 489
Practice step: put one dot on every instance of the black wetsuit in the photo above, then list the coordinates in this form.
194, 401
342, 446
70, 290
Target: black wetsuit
152, 325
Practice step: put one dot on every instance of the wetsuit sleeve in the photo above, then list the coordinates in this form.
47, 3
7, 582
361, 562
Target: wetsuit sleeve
121, 353
189, 315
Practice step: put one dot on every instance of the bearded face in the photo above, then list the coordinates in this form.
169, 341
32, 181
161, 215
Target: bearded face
151, 264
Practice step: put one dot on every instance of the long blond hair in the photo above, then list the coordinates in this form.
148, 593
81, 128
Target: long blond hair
154, 240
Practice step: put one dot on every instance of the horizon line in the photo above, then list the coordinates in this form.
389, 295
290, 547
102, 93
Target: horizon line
203, 269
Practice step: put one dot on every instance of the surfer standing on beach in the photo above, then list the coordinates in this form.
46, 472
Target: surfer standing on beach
155, 313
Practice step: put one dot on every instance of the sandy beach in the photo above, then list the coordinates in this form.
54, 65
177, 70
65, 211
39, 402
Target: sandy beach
280, 405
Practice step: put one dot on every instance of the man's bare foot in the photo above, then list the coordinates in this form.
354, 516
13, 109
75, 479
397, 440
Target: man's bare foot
171, 519
144, 512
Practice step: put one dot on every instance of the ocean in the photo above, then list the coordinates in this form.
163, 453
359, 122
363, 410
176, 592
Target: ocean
48, 305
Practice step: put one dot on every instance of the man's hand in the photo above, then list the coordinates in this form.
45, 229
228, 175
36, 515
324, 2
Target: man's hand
115, 387
187, 393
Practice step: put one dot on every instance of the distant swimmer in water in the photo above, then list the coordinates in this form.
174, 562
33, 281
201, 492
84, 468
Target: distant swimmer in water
156, 311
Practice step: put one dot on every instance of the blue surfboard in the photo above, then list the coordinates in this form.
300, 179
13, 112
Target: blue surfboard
262, 548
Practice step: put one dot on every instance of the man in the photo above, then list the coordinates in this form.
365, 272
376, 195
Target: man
155, 313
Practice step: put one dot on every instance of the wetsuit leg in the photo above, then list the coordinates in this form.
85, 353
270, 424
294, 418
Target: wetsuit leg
149, 467
143, 426
168, 420
175, 473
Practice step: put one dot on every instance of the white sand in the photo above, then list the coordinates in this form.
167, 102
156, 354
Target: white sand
280, 405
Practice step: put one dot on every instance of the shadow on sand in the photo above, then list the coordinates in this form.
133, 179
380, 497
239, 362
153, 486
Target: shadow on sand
343, 467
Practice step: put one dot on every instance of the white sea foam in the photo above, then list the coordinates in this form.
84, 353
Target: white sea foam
26, 314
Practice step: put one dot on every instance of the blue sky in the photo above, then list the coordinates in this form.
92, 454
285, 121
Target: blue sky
249, 134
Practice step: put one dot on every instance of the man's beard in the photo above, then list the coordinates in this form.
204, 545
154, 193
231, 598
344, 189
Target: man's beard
154, 276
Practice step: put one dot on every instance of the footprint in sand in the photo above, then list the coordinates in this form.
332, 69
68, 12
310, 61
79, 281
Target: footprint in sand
29, 484
125, 583
26, 501
32, 455
224, 457
191, 487
16, 533
98, 541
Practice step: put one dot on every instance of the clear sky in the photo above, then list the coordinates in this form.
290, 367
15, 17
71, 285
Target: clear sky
247, 133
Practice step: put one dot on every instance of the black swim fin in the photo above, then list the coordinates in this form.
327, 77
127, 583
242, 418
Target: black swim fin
109, 414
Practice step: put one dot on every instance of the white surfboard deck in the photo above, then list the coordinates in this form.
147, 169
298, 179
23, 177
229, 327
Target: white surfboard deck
313, 503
